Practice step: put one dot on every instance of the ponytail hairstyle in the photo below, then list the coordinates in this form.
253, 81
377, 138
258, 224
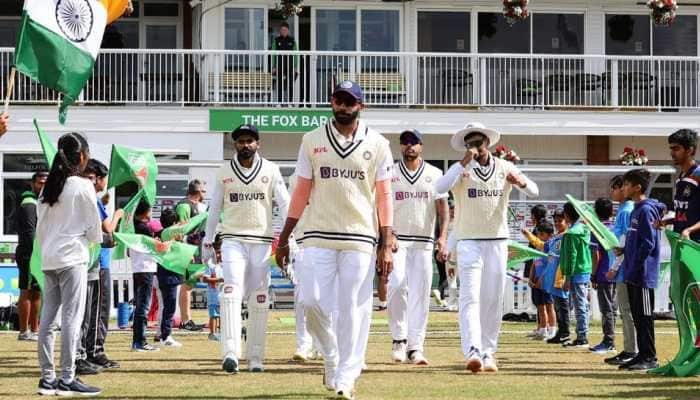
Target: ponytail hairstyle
65, 164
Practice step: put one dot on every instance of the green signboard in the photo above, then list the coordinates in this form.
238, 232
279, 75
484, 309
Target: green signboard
269, 120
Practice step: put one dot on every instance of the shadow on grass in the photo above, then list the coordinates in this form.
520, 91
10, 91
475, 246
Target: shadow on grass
199, 396
671, 394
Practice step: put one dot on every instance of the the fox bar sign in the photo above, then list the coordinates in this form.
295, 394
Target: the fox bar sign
267, 120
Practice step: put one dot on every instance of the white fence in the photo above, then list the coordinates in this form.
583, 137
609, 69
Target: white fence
305, 78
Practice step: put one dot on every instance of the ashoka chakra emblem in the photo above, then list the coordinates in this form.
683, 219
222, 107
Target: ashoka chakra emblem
75, 18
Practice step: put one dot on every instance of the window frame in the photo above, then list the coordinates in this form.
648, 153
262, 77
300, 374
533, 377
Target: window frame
618, 11
358, 22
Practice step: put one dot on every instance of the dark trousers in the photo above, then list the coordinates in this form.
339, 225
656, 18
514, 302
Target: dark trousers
285, 82
169, 294
88, 329
642, 305
105, 300
563, 316
143, 286
607, 303
442, 273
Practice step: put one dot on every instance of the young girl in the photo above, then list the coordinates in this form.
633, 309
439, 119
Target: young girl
67, 221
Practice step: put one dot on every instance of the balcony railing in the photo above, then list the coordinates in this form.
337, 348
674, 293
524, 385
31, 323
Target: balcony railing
272, 78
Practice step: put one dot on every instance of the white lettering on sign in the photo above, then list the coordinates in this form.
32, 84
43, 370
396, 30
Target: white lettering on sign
307, 120
257, 120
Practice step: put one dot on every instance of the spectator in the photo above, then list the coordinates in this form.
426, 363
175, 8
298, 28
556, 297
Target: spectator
285, 67
168, 283
602, 260
29, 302
540, 298
641, 260
4, 120
143, 267
213, 276
553, 280
683, 144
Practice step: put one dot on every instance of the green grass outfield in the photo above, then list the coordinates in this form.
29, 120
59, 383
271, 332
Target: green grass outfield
529, 370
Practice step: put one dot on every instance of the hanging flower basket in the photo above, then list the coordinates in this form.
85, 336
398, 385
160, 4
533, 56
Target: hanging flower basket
504, 153
663, 11
289, 8
633, 157
515, 10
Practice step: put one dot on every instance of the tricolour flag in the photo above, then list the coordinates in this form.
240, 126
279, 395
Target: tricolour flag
46, 145
185, 228
128, 165
59, 40
519, 253
173, 256
606, 238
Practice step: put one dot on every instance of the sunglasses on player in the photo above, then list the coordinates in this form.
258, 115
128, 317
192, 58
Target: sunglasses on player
409, 142
345, 101
474, 144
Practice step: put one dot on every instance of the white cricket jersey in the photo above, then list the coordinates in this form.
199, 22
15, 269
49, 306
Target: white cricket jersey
414, 204
342, 211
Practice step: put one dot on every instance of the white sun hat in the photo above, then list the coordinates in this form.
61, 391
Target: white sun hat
457, 141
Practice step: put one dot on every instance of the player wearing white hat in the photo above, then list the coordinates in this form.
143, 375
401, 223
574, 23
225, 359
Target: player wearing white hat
243, 193
416, 204
344, 175
481, 185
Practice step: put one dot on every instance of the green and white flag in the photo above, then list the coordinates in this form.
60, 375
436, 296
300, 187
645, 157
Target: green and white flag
519, 253
47, 145
129, 165
59, 40
185, 228
606, 238
173, 256
126, 224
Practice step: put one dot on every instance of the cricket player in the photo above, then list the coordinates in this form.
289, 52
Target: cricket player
243, 192
481, 185
416, 204
344, 175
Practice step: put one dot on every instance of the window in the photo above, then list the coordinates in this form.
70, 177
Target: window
627, 35
17, 170
244, 29
380, 30
497, 36
10, 13
161, 9
557, 33
440, 31
678, 39
336, 30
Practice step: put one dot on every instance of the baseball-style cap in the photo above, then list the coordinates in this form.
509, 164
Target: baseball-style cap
351, 88
245, 129
413, 132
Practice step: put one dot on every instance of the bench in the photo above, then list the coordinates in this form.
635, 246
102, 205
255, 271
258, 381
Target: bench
380, 86
238, 84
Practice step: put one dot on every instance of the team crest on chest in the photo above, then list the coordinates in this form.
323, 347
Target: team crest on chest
265, 179
687, 191
367, 155
428, 179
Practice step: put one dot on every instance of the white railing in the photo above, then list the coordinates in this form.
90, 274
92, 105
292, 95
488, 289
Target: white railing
272, 78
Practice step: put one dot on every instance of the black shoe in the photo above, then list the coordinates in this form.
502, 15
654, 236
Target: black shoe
576, 343
76, 388
47, 388
85, 367
644, 365
190, 326
230, 365
559, 339
101, 360
620, 359
635, 360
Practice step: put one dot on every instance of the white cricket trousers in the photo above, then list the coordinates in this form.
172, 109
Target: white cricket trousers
304, 343
246, 266
408, 296
351, 296
482, 276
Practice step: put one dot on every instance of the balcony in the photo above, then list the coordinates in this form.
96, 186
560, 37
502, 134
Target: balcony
390, 80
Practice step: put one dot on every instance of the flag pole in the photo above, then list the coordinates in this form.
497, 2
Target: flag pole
10, 87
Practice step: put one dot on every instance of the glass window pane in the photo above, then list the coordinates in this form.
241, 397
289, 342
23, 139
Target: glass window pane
172, 170
23, 162
627, 35
12, 189
122, 34
239, 34
440, 31
8, 32
161, 36
678, 39
380, 30
557, 33
557, 190
11, 8
335, 30
497, 36
160, 9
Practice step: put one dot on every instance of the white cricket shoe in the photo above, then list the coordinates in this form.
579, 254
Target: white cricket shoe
255, 365
416, 357
398, 351
302, 356
474, 363
329, 376
170, 342
489, 363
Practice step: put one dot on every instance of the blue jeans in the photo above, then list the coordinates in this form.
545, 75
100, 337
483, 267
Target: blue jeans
143, 286
169, 294
579, 294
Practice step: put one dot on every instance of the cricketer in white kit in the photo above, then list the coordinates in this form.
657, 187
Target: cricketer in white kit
416, 205
344, 175
481, 186
243, 193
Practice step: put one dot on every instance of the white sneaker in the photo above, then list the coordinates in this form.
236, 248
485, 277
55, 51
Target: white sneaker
170, 342
345, 393
474, 360
552, 332
28, 336
255, 365
398, 351
329, 376
416, 357
539, 334
534, 333
302, 356
488, 363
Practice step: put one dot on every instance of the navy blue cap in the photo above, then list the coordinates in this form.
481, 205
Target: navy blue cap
351, 88
245, 129
414, 132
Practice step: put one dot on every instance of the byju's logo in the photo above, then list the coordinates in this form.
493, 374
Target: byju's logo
325, 172
234, 197
399, 195
328, 172
471, 193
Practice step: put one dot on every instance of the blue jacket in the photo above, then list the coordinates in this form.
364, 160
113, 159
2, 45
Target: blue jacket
643, 244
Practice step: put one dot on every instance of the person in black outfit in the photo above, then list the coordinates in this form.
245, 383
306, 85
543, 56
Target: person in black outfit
168, 282
285, 66
30, 297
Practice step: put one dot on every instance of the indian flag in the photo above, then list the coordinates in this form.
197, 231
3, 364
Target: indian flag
59, 41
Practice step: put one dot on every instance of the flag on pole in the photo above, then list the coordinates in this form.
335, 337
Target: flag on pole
126, 224
606, 238
46, 145
59, 40
519, 253
173, 256
184, 229
35, 262
685, 295
128, 165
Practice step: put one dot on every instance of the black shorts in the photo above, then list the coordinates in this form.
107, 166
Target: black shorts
540, 297
23, 267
